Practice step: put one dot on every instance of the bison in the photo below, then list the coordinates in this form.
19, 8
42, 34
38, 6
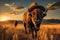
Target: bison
33, 18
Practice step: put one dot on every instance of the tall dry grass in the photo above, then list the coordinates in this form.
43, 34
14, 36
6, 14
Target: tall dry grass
46, 32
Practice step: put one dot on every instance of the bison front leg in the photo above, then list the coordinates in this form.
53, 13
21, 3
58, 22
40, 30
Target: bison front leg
32, 33
35, 33
25, 27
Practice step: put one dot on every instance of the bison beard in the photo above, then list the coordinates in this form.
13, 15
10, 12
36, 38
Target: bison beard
34, 27
31, 26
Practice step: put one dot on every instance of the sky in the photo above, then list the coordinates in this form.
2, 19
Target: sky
6, 11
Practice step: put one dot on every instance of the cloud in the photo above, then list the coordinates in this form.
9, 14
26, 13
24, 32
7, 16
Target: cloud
9, 4
14, 7
57, 4
50, 6
53, 6
18, 8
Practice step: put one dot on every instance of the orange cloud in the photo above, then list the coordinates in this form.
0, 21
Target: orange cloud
14, 7
9, 4
18, 8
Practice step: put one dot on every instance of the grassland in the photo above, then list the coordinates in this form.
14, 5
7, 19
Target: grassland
46, 32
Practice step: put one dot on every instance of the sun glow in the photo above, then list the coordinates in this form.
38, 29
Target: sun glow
4, 18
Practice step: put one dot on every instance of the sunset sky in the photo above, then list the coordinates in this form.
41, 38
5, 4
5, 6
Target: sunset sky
7, 11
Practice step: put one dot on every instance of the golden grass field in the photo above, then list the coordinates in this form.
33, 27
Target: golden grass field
46, 32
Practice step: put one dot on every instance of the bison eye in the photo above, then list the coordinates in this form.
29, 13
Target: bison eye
30, 14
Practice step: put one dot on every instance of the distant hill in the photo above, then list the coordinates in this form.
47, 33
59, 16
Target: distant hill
12, 21
45, 21
48, 21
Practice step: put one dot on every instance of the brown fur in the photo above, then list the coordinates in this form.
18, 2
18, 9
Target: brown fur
27, 18
29, 21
